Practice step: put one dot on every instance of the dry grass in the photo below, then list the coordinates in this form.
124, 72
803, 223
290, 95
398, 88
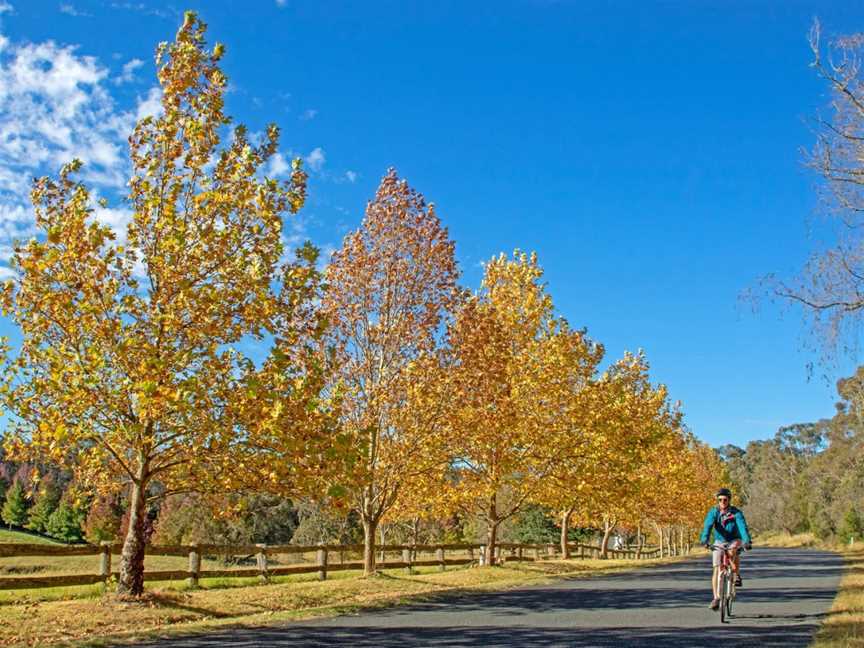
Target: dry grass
845, 623
94, 621
789, 540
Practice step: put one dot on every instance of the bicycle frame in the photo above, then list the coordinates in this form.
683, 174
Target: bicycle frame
726, 583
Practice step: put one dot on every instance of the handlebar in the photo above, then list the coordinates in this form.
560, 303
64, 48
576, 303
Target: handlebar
738, 547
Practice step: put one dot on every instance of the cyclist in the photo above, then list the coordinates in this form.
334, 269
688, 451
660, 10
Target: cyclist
730, 532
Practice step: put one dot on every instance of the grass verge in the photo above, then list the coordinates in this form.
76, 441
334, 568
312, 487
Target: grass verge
166, 612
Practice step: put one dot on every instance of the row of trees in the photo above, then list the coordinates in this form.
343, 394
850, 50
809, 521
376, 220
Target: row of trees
809, 477
378, 385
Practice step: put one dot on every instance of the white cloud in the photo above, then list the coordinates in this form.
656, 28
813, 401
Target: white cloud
54, 107
117, 219
351, 176
278, 166
150, 105
281, 3
308, 114
127, 75
69, 9
316, 159
143, 8
6, 7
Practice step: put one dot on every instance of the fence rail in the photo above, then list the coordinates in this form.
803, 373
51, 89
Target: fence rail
265, 570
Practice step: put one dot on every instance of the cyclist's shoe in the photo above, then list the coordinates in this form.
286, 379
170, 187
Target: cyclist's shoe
715, 603
738, 581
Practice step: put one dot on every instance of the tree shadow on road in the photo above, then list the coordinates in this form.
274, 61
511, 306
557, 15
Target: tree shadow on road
296, 636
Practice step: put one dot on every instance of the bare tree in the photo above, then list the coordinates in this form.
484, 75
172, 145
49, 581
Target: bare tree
830, 288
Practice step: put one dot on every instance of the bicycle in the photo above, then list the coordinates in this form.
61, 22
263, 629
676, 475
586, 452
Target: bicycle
727, 578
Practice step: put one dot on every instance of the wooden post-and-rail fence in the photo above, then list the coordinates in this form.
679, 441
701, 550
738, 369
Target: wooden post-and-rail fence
411, 556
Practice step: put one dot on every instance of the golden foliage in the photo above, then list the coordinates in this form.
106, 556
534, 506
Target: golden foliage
127, 370
392, 285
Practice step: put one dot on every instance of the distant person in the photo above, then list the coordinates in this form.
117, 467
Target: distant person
730, 532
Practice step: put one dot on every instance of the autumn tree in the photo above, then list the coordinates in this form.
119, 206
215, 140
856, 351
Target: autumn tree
642, 419
103, 520
613, 424
391, 287
510, 360
127, 365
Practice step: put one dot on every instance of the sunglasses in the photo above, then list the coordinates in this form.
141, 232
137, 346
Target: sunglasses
722, 499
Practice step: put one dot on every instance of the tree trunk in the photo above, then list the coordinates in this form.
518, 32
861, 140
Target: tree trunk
415, 537
369, 528
491, 541
604, 546
639, 541
565, 531
660, 538
131, 582
492, 531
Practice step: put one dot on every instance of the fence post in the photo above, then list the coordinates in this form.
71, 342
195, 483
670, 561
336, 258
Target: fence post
519, 553
322, 562
406, 558
440, 555
483, 560
105, 561
536, 553
194, 565
261, 559
581, 551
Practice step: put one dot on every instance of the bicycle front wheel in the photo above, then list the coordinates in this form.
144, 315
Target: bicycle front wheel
730, 596
724, 596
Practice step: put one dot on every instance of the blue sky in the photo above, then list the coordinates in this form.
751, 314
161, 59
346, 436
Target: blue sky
650, 152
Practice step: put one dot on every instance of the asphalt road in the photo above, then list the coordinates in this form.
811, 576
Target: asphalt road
786, 594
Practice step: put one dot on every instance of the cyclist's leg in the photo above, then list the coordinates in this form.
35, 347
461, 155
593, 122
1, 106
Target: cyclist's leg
736, 567
716, 558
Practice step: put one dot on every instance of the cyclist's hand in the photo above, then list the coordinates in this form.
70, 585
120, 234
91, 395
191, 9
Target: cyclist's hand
708, 546
749, 546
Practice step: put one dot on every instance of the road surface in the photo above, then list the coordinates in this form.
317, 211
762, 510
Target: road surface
786, 594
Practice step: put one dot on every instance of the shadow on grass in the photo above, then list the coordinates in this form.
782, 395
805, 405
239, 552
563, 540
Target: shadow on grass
173, 603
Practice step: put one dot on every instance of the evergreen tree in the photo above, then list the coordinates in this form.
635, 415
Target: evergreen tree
46, 504
65, 522
14, 511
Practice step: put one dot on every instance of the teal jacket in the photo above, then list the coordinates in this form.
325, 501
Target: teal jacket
727, 526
